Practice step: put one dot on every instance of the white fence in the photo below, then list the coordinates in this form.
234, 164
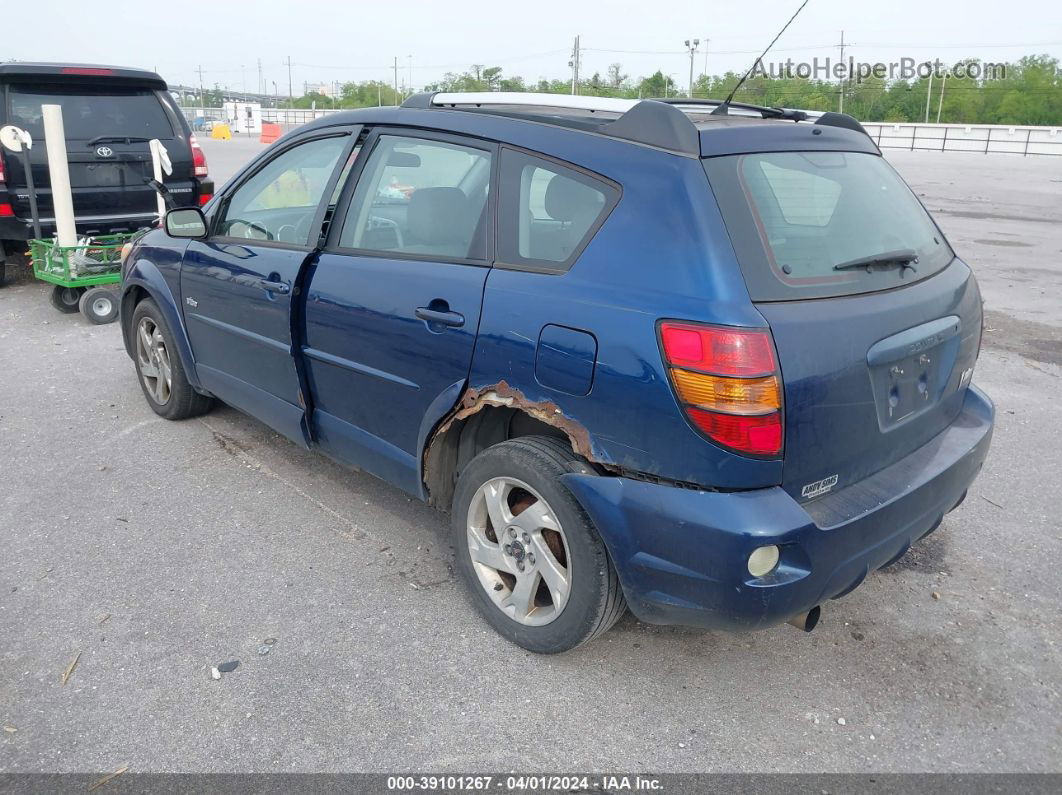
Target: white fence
984, 138
202, 118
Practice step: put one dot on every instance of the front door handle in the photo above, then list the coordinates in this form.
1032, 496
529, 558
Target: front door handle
432, 316
283, 288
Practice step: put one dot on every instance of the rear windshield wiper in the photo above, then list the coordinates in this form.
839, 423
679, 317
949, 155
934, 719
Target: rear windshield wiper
99, 139
902, 257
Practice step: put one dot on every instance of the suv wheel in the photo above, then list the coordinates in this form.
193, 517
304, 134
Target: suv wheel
159, 368
538, 571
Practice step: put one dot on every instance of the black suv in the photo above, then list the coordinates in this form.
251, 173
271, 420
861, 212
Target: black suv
109, 114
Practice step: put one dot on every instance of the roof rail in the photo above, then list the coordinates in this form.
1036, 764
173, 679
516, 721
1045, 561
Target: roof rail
765, 111
646, 122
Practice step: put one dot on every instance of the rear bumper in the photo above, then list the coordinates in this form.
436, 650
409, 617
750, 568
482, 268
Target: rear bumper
681, 554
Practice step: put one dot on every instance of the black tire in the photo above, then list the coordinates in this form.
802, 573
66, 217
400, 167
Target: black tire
180, 401
66, 299
3, 268
99, 305
595, 601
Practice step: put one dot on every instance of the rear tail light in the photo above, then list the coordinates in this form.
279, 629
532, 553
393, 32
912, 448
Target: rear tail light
728, 383
199, 162
6, 211
204, 198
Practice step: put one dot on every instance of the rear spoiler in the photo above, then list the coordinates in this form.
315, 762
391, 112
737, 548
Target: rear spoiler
83, 74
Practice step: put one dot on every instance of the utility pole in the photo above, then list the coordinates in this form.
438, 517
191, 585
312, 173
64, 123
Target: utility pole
396, 80
410, 59
841, 108
692, 47
929, 94
940, 103
261, 79
291, 93
574, 64
202, 96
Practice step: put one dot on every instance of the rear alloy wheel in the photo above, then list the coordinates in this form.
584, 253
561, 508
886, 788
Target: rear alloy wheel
66, 299
537, 569
523, 568
99, 305
159, 367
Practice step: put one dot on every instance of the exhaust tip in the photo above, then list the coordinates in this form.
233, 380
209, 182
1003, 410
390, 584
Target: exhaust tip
806, 621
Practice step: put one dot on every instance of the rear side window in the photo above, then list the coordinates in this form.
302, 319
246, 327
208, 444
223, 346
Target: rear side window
547, 212
89, 113
793, 217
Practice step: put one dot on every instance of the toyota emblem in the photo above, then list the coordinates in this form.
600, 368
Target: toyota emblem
104, 151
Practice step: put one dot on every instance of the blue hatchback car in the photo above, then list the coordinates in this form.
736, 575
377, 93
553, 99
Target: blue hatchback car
708, 361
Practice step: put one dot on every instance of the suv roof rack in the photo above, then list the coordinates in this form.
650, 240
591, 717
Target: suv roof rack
660, 123
642, 121
765, 111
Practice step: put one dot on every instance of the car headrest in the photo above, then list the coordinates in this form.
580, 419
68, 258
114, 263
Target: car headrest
567, 200
438, 215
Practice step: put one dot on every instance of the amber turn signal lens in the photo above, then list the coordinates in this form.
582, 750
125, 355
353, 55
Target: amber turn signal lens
733, 395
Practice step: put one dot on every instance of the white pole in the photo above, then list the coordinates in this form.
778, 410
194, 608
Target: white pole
59, 174
940, 104
929, 95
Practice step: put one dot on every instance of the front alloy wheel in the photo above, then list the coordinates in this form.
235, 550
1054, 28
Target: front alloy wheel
153, 361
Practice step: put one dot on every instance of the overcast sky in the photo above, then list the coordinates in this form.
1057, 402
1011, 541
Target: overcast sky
358, 40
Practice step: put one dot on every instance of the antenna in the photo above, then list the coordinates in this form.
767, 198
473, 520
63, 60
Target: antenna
723, 108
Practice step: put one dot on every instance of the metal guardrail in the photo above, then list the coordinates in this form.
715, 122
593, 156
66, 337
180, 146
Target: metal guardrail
984, 138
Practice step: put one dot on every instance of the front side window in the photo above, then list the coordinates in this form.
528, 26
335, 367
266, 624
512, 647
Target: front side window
803, 222
420, 197
547, 211
280, 201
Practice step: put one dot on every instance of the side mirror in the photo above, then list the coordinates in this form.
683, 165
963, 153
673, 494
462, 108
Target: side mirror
186, 222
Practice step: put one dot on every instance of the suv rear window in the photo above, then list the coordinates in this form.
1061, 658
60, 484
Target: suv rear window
794, 216
88, 113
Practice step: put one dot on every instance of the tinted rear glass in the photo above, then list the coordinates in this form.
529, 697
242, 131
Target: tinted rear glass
89, 113
794, 216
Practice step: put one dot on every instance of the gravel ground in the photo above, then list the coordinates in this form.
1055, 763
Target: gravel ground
150, 551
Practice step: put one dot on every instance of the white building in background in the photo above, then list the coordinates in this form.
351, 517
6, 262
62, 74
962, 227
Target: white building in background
325, 89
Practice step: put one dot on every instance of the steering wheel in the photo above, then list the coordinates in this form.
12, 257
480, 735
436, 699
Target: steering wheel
249, 225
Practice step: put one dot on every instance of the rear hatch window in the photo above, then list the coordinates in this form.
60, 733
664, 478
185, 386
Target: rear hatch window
107, 132
794, 217
89, 114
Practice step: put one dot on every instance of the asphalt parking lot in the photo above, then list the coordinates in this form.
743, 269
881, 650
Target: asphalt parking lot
155, 550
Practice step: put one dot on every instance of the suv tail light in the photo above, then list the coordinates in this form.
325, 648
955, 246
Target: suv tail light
728, 383
199, 162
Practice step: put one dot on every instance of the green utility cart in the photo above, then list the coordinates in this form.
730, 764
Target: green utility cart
82, 276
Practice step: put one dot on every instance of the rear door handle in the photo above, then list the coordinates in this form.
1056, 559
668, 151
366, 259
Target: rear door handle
275, 287
455, 319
